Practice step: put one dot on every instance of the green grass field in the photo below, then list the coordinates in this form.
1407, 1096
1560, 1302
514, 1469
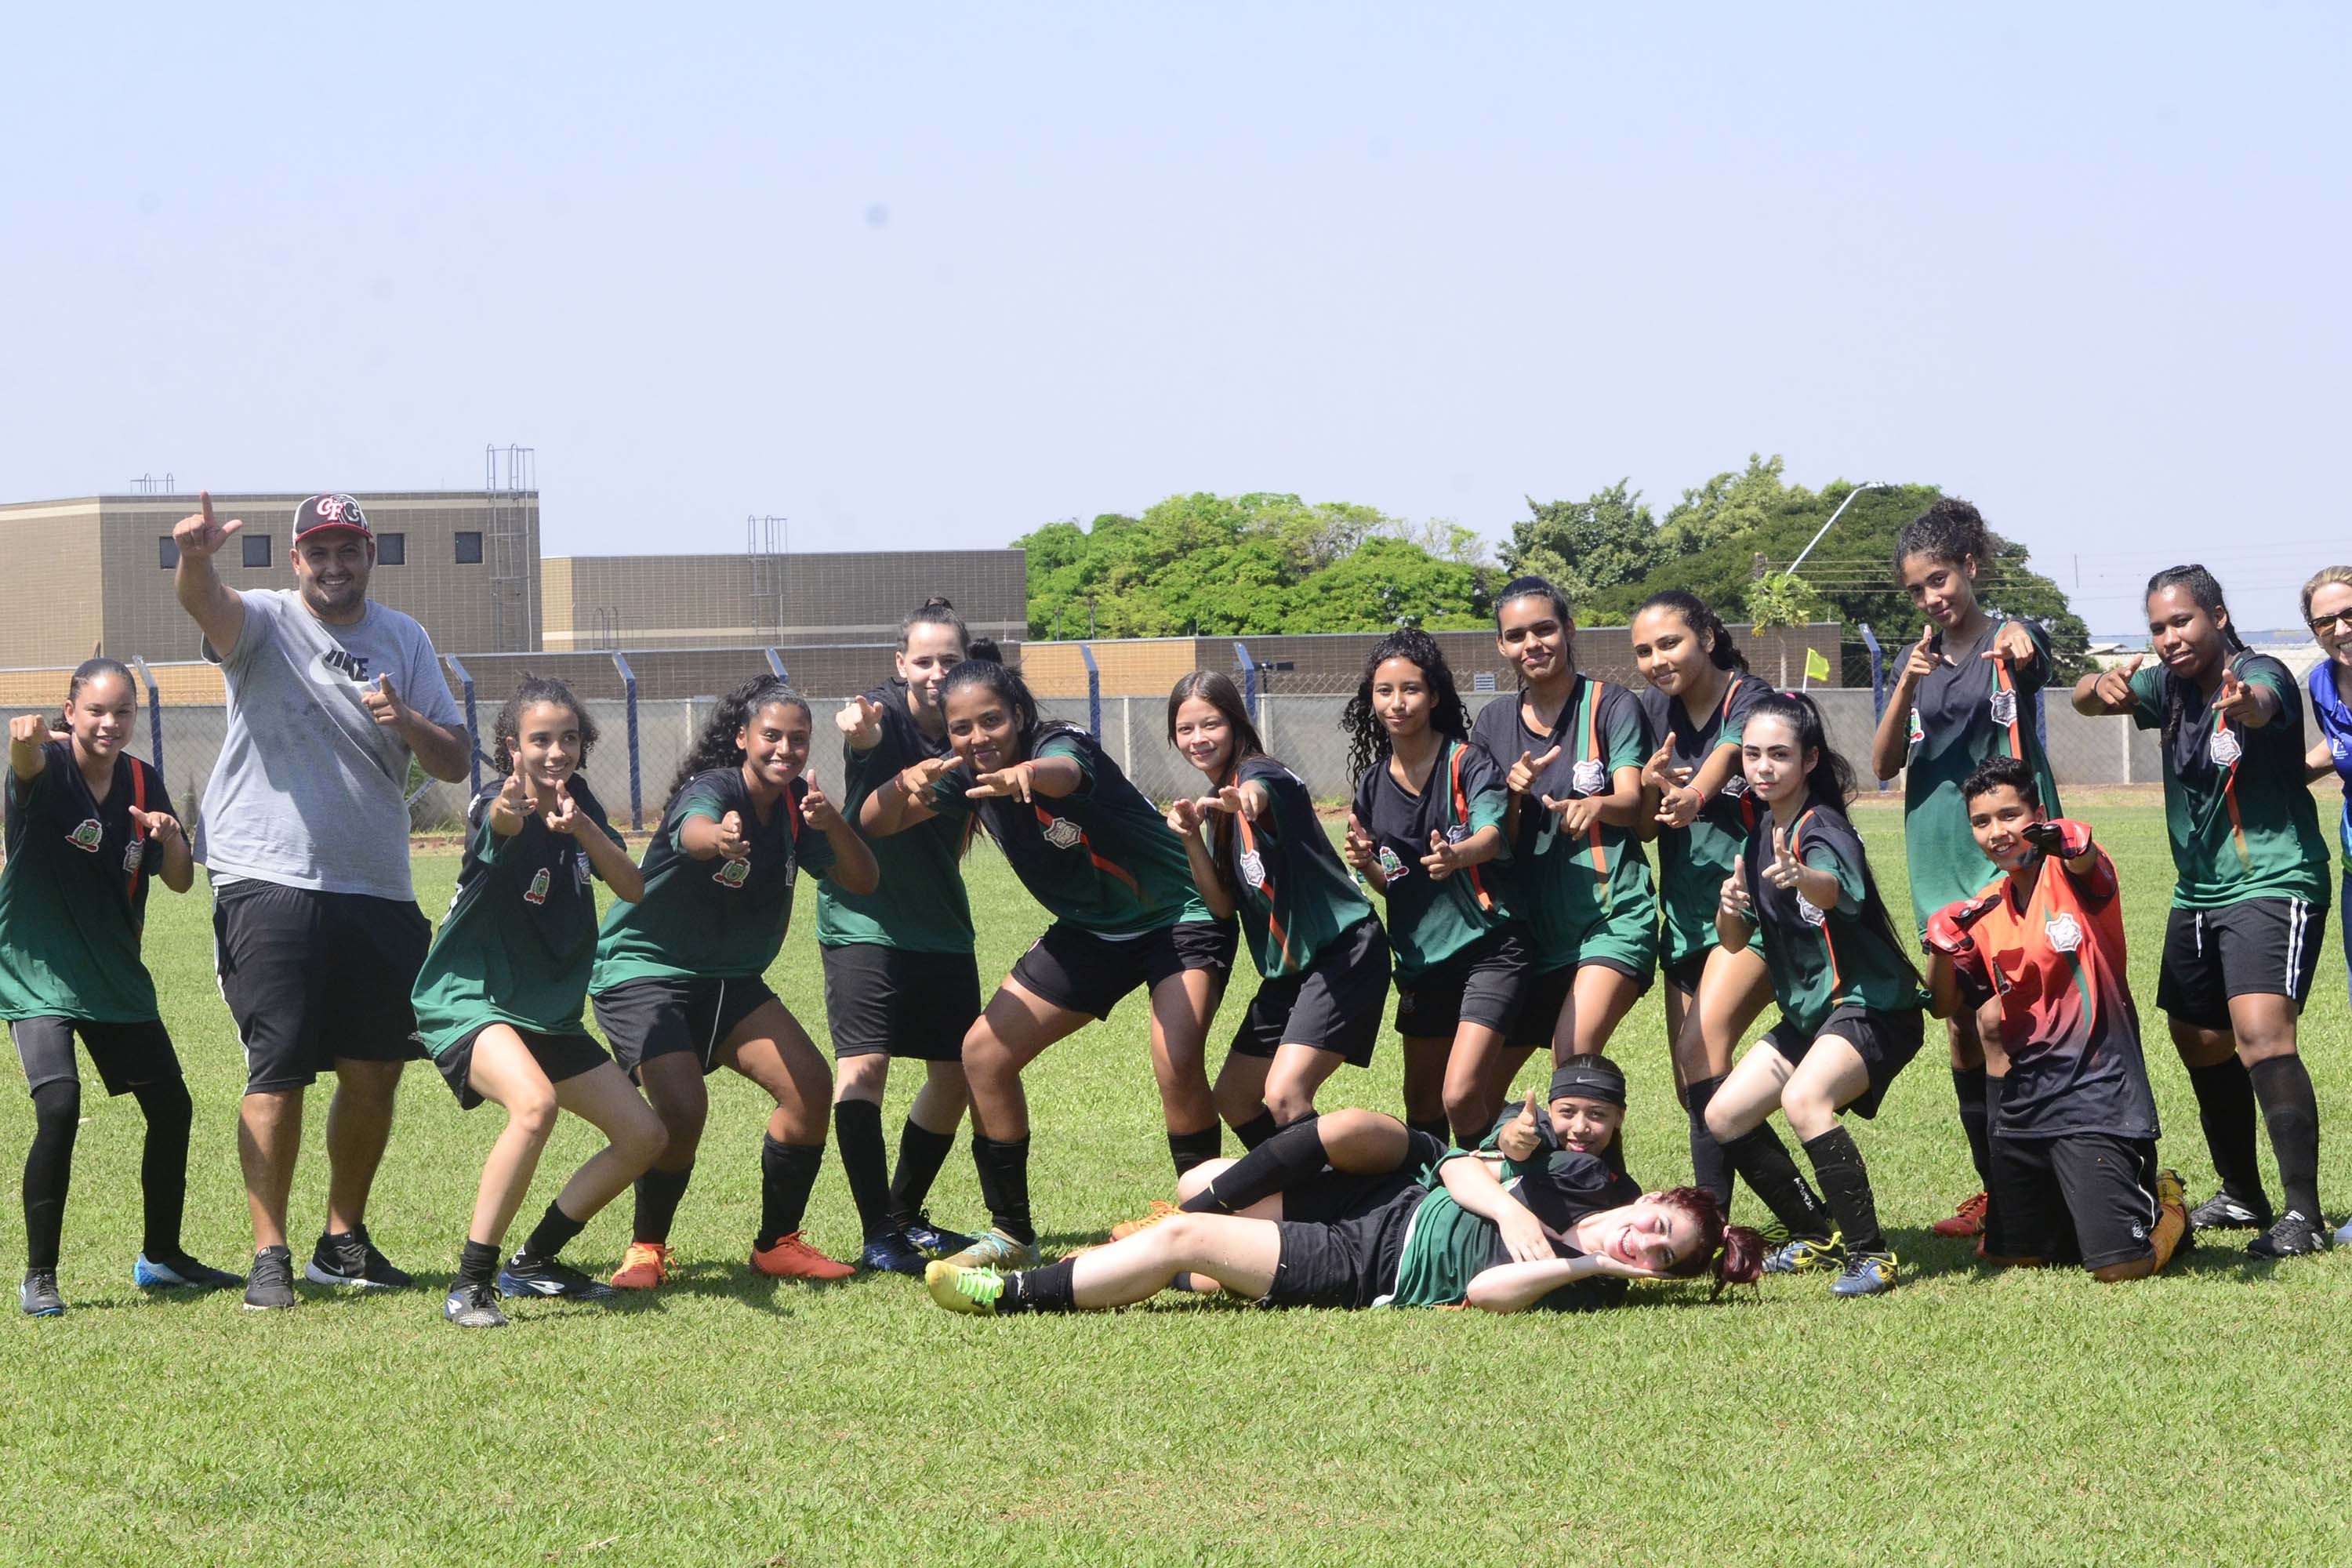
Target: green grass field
1967, 1418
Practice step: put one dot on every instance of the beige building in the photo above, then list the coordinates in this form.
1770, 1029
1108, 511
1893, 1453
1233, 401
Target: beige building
723, 601
99, 569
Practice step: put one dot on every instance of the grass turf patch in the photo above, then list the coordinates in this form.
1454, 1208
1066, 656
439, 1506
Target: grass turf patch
728, 1419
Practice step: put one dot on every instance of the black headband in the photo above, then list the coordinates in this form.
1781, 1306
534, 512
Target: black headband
1603, 1082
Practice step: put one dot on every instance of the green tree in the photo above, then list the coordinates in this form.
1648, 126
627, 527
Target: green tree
1725, 507
1584, 547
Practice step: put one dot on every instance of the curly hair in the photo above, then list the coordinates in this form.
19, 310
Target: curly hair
715, 746
1949, 530
1368, 738
506, 729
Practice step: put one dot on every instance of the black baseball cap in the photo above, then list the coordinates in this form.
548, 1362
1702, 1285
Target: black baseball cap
327, 512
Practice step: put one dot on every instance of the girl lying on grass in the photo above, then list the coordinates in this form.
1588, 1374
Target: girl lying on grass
1280, 1228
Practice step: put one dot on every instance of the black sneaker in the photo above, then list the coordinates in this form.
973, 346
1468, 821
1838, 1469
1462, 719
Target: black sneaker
351, 1259
165, 1270
271, 1283
2222, 1212
474, 1307
38, 1294
892, 1252
526, 1276
2292, 1237
930, 1240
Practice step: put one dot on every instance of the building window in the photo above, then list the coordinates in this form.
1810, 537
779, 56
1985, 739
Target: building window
469, 547
392, 550
167, 554
256, 549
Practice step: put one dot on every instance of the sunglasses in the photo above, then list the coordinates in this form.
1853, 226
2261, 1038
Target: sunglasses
2322, 624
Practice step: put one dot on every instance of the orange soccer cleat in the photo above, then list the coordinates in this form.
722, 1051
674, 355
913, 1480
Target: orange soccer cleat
794, 1259
1966, 1220
642, 1267
1157, 1212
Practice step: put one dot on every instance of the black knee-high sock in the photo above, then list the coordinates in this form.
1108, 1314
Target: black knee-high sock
1764, 1164
1846, 1183
1002, 1166
1258, 1128
1973, 1087
787, 1175
1711, 1166
921, 1153
1290, 1155
1046, 1290
2290, 1110
857, 1129
554, 1232
164, 1162
1189, 1149
1441, 1130
2225, 1108
48, 1169
657, 1194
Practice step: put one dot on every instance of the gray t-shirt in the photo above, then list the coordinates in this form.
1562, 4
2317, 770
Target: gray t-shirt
310, 790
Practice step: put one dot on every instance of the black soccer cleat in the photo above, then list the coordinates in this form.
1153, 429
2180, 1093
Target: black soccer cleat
474, 1307
270, 1286
38, 1294
2224, 1212
891, 1252
2292, 1237
526, 1276
351, 1259
931, 1241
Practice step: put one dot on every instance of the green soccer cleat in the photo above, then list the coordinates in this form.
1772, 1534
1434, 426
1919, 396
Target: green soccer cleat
963, 1289
992, 1249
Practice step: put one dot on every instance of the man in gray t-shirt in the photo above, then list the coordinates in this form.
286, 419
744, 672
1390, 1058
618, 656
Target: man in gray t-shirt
316, 935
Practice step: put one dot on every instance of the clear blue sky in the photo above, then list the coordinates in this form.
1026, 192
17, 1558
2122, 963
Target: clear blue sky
933, 277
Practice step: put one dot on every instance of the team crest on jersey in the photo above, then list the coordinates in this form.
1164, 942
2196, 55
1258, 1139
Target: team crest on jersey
1811, 913
1458, 833
733, 873
1064, 833
2064, 931
2225, 748
1589, 776
1918, 729
1253, 868
87, 835
134, 854
537, 892
2004, 707
581, 872
1391, 864
1734, 786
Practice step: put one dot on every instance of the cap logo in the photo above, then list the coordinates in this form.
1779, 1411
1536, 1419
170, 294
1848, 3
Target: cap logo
330, 509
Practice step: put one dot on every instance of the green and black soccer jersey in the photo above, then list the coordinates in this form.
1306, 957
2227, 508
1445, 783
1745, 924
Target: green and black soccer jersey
1102, 857
1448, 1246
715, 918
1821, 960
73, 896
2240, 817
1564, 890
520, 938
1968, 710
1693, 861
1291, 890
1428, 921
919, 904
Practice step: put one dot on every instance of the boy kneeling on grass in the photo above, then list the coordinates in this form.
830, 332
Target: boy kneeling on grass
2039, 954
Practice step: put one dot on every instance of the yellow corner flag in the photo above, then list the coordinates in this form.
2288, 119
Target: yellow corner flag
1817, 665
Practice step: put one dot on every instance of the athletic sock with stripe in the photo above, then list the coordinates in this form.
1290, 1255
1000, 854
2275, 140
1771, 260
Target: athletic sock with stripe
2283, 1085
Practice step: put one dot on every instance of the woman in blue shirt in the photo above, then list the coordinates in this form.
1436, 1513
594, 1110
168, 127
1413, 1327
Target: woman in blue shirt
2327, 610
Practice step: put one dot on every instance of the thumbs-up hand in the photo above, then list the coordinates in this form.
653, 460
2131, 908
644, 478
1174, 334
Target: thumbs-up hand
1521, 1137
382, 702
817, 810
732, 844
1523, 774
2114, 689
860, 719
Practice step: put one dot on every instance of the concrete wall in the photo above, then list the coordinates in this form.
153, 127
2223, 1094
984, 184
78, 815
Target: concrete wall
57, 582
706, 601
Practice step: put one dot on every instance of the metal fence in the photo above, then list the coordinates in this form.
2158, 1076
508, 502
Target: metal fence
633, 763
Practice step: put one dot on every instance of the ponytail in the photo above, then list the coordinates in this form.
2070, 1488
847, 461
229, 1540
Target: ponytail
1703, 624
1734, 1254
